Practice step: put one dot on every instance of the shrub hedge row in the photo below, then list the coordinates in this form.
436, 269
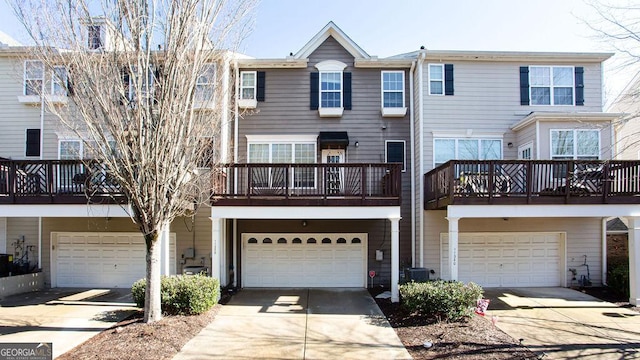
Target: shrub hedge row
182, 294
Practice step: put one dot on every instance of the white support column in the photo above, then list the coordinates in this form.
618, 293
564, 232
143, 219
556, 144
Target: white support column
3, 235
216, 254
634, 260
395, 258
165, 260
453, 247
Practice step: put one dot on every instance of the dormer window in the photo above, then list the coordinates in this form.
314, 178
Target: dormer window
331, 88
94, 37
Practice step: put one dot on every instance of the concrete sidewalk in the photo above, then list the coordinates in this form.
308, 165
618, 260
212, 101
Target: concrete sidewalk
566, 324
64, 317
297, 324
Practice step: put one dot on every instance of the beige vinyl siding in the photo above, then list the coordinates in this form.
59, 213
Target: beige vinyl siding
285, 111
583, 237
188, 233
524, 136
487, 101
27, 227
627, 146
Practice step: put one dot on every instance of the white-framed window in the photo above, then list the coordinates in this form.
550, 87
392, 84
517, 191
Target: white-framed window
33, 77
395, 152
445, 149
95, 38
551, 85
70, 149
205, 84
436, 79
575, 144
282, 152
59, 81
248, 80
392, 89
331, 89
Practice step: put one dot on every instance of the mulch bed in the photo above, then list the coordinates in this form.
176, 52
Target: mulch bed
476, 338
133, 339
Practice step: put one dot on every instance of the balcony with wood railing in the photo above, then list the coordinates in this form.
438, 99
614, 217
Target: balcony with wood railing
471, 182
57, 182
307, 185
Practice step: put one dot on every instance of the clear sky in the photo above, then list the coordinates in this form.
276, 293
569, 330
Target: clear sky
390, 27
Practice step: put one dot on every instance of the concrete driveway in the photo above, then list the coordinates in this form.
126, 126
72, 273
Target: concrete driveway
61, 316
566, 324
297, 324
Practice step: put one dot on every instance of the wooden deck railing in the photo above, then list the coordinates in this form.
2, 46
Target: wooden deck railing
460, 182
307, 184
56, 181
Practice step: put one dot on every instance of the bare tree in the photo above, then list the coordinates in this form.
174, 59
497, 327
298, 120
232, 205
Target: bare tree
617, 25
144, 96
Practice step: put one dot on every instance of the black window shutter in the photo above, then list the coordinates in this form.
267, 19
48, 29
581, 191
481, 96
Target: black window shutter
33, 142
579, 72
524, 85
448, 79
346, 83
126, 78
314, 91
260, 86
70, 91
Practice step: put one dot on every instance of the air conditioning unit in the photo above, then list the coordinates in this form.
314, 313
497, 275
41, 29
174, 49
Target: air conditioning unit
194, 270
416, 274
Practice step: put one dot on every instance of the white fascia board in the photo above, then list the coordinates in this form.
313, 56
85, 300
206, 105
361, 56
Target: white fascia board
78, 210
333, 30
289, 62
452, 55
383, 63
564, 116
305, 212
282, 138
542, 211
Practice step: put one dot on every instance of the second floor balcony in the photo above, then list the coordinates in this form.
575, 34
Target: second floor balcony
56, 182
337, 184
471, 182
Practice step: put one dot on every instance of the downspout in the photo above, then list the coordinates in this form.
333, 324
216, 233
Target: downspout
41, 158
421, 59
234, 240
413, 167
604, 249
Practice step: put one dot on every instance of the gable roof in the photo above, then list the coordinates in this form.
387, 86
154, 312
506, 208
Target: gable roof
334, 31
616, 225
6, 40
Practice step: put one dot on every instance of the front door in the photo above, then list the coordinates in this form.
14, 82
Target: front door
334, 176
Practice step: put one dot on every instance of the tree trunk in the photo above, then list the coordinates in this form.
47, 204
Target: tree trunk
152, 308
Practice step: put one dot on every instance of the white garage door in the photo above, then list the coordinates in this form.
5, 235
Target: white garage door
108, 260
507, 259
304, 260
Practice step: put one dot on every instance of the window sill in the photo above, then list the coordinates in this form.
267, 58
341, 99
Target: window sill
204, 105
35, 99
247, 103
29, 99
330, 112
394, 112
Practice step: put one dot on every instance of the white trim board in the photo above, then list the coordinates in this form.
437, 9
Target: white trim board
306, 212
60, 210
542, 211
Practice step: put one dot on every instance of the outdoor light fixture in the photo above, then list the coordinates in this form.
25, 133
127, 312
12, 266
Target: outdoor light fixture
304, 223
357, 144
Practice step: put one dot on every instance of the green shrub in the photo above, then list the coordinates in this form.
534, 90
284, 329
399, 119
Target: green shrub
618, 279
445, 300
181, 294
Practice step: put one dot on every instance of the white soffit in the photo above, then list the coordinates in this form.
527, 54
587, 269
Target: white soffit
305, 212
64, 210
542, 211
563, 117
